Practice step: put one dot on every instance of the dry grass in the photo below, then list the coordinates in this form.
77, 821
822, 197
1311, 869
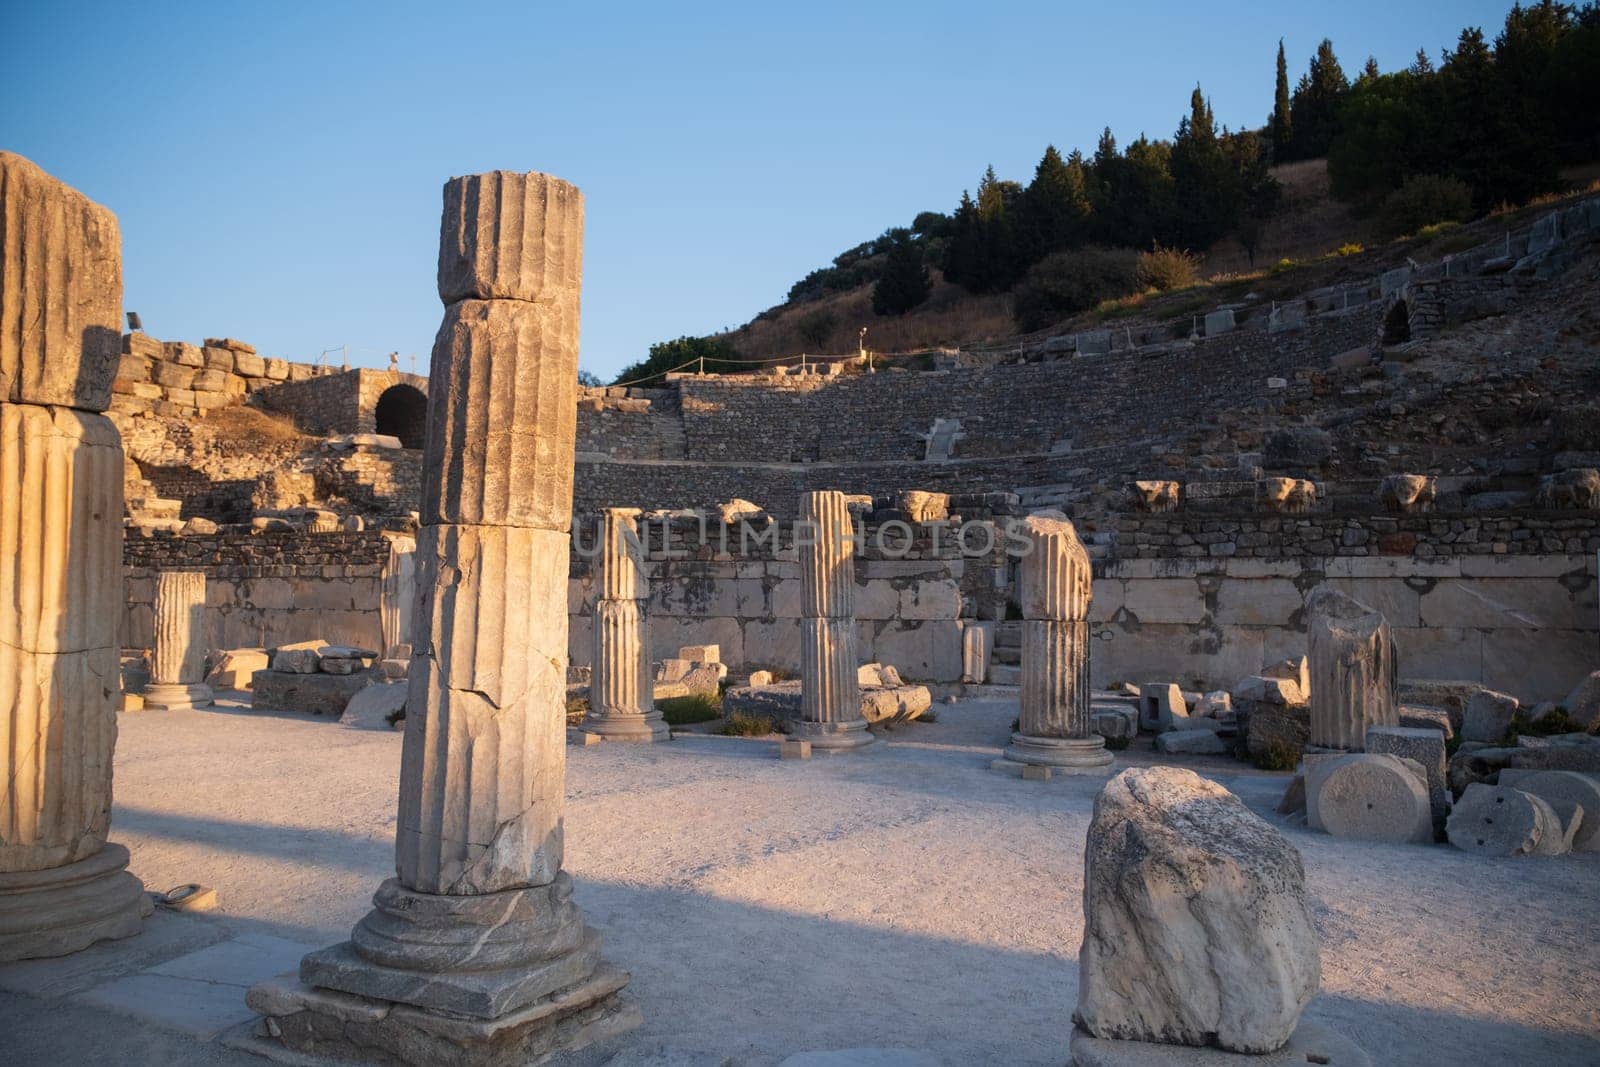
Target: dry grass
950, 316
252, 427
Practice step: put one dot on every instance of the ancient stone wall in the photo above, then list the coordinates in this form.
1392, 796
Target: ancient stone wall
264, 589
341, 402
179, 380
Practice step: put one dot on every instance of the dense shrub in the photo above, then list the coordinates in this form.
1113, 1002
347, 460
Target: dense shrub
1424, 200
1066, 283
1166, 268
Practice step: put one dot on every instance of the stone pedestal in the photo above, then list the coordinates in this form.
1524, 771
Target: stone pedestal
621, 686
1353, 669
475, 953
830, 694
1054, 728
178, 658
62, 887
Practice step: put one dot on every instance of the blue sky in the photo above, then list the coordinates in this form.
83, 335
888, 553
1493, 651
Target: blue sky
276, 167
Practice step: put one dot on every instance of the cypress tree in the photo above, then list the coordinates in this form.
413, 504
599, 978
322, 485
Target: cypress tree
1281, 128
1314, 108
904, 282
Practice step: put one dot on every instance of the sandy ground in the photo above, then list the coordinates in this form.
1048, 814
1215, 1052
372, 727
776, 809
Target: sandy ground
905, 896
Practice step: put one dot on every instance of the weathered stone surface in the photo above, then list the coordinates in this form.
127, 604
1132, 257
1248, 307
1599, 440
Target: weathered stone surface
1502, 821
977, 645
1488, 716
398, 596
486, 714
1372, 797
1272, 730
619, 564
1055, 679
1195, 742
825, 542
59, 910
1564, 752
1155, 496
314, 694
1421, 717
60, 291
376, 707
1054, 579
1566, 792
502, 409
1353, 670
1197, 929
1427, 748
1310, 1043
700, 653
1296, 669
1574, 489
895, 704
60, 604
511, 237
179, 655
921, 506
1408, 493
235, 667
1583, 703
1287, 495
1280, 691
1162, 707
621, 704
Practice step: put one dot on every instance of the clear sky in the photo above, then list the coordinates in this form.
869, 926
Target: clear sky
277, 167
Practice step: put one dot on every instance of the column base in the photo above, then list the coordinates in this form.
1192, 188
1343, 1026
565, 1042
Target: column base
623, 727
831, 735
1066, 755
325, 1023
176, 697
1310, 1043
61, 910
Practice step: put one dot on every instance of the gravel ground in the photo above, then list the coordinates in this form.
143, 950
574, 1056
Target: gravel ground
905, 896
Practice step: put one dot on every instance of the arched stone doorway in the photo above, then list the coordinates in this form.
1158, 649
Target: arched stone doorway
402, 412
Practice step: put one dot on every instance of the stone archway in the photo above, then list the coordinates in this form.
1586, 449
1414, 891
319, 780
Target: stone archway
402, 411
1397, 323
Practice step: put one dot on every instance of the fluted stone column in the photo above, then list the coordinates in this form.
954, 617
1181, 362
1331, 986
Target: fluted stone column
1056, 586
62, 885
178, 659
474, 952
1354, 671
830, 699
621, 684
398, 596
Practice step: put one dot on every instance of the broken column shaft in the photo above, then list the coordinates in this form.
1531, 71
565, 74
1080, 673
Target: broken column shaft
178, 657
621, 703
830, 698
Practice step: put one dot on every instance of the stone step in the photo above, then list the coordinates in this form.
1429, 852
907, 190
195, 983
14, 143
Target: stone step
1005, 675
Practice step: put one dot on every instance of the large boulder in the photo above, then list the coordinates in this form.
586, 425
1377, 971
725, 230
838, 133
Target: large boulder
1197, 930
377, 707
1488, 716
1583, 703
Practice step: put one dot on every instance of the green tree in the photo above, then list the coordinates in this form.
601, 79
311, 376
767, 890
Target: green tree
1054, 210
904, 283
1206, 188
1314, 109
1279, 124
815, 327
1259, 192
685, 354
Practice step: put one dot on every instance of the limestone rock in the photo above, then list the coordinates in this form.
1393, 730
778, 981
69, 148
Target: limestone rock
1162, 707
759, 678
1196, 742
1567, 792
1287, 495
701, 653
235, 667
298, 660
313, 694
1427, 748
513, 237
1488, 716
921, 506
1371, 797
892, 706
1155, 496
501, 407
1408, 493
1296, 669
376, 707
1197, 929
1502, 821
737, 510
1421, 717
1353, 670
1280, 691
1583, 703
60, 291
1574, 489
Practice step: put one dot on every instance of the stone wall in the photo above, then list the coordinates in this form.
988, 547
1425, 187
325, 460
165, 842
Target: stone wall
176, 379
264, 589
342, 402
1528, 625
745, 597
